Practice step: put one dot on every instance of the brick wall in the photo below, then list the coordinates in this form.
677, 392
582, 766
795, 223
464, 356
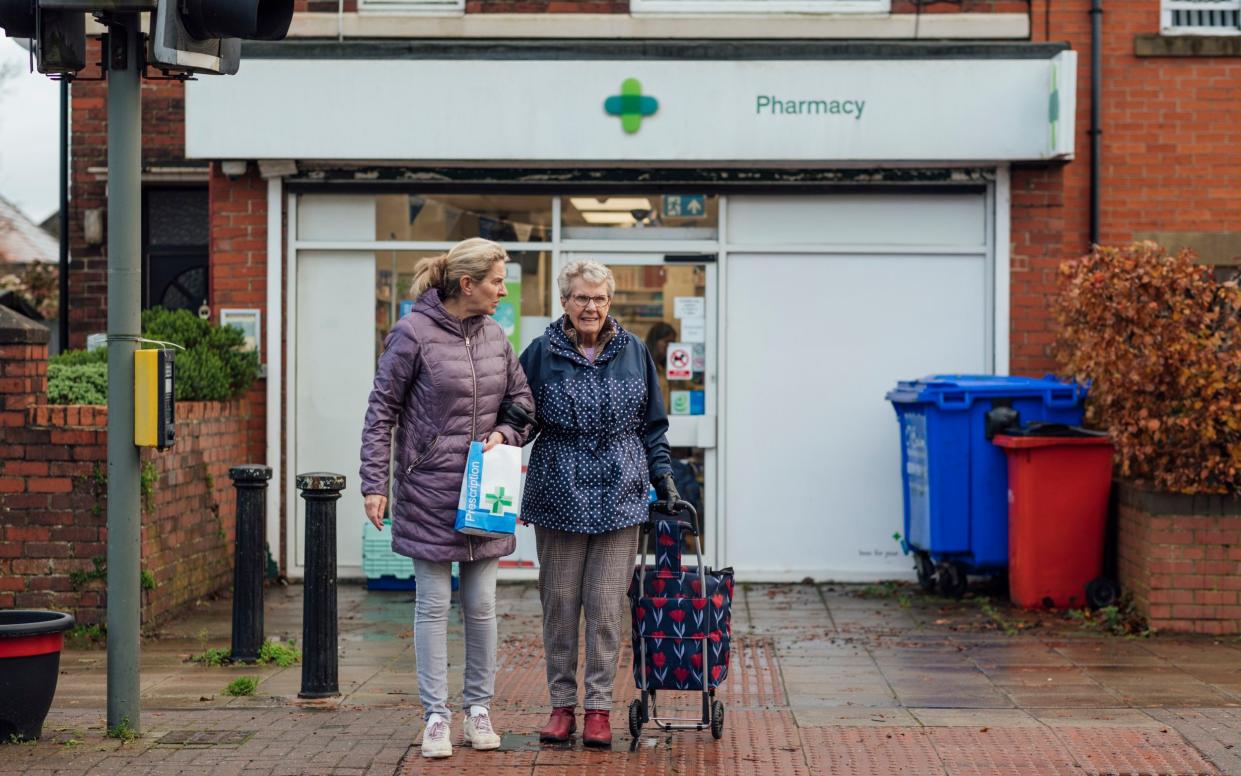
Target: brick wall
1168, 163
238, 270
53, 505
1180, 559
163, 141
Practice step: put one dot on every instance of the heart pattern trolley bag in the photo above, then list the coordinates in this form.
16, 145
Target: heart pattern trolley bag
676, 612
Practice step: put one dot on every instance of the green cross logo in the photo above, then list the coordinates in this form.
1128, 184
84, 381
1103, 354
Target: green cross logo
631, 105
498, 500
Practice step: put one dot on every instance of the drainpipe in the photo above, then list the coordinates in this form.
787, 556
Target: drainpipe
63, 342
1096, 92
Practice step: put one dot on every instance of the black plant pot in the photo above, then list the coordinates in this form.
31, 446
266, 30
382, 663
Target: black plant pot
30, 643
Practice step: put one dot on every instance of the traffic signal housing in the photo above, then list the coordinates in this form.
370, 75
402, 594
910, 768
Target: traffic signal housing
204, 36
57, 35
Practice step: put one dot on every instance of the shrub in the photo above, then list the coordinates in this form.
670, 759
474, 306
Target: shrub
80, 357
77, 383
211, 368
245, 685
1160, 340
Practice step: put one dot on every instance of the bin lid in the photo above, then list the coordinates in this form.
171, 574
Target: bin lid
951, 390
1050, 435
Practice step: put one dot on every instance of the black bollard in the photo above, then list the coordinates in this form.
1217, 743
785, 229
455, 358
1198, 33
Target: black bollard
319, 648
250, 480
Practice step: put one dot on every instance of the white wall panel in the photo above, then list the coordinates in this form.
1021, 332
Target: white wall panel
812, 473
859, 219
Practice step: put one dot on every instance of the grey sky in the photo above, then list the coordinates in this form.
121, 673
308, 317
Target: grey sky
29, 134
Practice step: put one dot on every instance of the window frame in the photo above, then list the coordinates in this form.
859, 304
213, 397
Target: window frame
1166, 8
638, 7
447, 8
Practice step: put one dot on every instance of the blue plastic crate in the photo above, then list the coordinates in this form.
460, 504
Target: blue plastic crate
385, 569
955, 482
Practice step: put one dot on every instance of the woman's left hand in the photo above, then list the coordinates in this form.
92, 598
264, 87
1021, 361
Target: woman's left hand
496, 438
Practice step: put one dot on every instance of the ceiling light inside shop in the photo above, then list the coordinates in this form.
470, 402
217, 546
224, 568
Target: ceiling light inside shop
608, 217
586, 204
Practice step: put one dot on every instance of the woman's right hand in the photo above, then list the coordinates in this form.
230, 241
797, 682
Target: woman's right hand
375, 506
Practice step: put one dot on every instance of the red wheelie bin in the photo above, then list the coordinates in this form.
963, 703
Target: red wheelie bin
1059, 480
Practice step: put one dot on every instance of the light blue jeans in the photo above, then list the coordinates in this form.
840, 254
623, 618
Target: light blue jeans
478, 613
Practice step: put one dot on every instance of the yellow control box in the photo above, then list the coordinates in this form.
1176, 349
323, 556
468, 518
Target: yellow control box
153, 398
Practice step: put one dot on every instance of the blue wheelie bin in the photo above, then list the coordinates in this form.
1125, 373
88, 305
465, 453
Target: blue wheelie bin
955, 481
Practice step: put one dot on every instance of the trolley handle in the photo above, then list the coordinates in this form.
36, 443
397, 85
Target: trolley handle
660, 512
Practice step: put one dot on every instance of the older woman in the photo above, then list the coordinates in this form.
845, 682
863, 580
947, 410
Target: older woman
446, 370
602, 441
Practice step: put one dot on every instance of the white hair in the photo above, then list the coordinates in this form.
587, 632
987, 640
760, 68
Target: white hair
590, 271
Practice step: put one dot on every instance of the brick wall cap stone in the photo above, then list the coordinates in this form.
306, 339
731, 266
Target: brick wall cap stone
17, 329
1156, 502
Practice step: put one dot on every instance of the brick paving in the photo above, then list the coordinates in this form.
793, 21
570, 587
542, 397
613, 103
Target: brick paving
825, 679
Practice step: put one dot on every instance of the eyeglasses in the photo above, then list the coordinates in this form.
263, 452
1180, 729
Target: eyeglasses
583, 301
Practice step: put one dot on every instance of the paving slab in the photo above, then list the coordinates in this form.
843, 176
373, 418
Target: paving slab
823, 679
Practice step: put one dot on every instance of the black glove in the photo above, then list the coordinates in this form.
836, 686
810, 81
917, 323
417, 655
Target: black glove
666, 491
516, 416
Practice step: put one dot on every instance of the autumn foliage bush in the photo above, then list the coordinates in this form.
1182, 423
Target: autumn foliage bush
1159, 339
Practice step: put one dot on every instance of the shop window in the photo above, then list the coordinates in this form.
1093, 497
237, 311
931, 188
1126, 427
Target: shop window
1201, 17
524, 312
175, 246
760, 6
428, 7
454, 217
641, 217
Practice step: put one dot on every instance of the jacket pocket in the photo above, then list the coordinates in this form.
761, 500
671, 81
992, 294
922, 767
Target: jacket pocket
423, 457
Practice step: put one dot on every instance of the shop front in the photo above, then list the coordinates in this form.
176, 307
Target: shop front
789, 236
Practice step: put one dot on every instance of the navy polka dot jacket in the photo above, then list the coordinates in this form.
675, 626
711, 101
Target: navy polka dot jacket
603, 433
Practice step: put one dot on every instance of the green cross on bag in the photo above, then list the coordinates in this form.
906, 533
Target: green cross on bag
498, 500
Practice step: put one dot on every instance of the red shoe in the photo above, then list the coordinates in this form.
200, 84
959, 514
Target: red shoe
560, 726
598, 729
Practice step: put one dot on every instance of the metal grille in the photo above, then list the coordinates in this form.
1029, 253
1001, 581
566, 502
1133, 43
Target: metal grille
1202, 17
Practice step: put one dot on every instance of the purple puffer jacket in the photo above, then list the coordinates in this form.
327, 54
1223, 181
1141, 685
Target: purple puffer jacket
439, 383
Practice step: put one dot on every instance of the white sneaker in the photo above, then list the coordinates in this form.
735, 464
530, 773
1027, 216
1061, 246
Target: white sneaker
478, 731
435, 739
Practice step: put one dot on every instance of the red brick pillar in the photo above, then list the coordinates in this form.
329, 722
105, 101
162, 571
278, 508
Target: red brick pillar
23, 369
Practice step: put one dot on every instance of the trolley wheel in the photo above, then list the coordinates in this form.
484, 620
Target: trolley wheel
717, 720
952, 579
926, 571
1101, 592
635, 718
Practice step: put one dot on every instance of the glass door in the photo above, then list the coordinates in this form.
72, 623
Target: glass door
668, 301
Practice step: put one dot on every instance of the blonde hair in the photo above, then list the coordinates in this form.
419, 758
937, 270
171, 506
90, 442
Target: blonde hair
590, 271
472, 258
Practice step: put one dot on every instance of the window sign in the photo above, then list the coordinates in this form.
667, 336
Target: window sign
689, 307
680, 361
246, 320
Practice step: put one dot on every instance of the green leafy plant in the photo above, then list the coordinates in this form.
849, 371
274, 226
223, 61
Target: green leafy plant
1122, 619
86, 636
1159, 339
212, 367
82, 384
123, 731
283, 654
995, 616
80, 579
244, 685
148, 478
147, 580
80, 357
216, 656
